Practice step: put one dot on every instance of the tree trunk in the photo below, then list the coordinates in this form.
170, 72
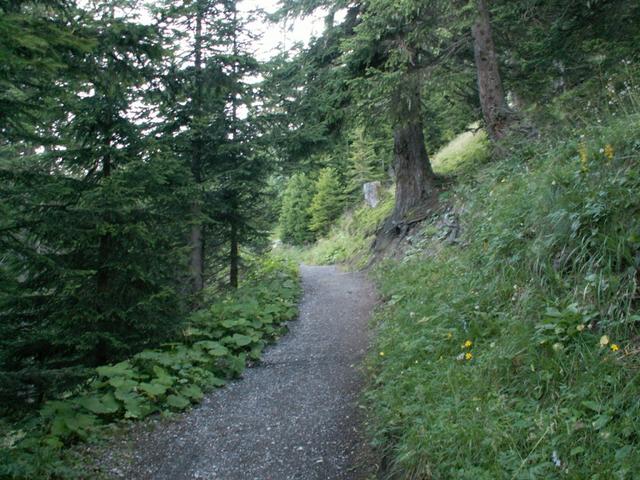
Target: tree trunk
492, 99
234, 257
414, 176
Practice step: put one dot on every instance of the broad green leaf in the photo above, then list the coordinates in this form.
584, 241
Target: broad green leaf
215, 349
122, 369
241, 340
177, 401
100, 405
153, 389
123, 383
193, 392
163, 377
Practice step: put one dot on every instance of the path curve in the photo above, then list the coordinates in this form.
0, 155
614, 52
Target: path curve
295, 416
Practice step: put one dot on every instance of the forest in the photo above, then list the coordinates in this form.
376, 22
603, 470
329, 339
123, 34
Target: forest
160, 182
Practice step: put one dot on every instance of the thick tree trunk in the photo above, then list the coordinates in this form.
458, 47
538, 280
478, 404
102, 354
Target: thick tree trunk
234, 257
414, 176
492, 99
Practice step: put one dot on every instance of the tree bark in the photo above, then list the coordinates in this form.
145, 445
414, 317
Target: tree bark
414, 176
196, 242
492, 98
104, 246
234, 255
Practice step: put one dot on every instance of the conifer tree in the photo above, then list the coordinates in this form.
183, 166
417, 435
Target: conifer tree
366, 162
89, 248
295, 216
327, 202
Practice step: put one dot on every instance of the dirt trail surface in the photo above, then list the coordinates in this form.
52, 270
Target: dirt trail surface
294, 416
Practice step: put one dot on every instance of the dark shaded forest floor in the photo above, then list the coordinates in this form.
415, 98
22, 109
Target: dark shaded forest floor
294, 416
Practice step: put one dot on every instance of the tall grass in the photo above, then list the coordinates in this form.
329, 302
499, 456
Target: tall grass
514, 355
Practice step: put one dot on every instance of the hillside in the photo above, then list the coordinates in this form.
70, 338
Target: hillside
511, 350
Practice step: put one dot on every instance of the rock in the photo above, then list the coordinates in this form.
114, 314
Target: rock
372, 193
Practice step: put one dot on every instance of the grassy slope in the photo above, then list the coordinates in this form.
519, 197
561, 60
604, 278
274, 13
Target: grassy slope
543, 291
349, 241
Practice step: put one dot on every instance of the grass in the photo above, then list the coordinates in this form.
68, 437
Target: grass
349, 240
468, 148
514, 354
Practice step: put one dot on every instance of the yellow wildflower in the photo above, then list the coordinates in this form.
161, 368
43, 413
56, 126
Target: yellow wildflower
584, 157
614, 348
604, 341
467, 344
609, 152
468, 356
382, 354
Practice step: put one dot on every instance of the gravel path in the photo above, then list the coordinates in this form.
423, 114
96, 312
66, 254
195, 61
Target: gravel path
292, 417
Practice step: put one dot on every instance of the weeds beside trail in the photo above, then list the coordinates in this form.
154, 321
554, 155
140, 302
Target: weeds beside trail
219, 341
514, 353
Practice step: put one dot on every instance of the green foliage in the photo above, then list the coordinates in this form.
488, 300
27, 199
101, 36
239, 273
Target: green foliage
217, 344
554, 46
350, 239
36, 47
327, 202
368, 161
542, 287
295, 216
468, 149
91, 249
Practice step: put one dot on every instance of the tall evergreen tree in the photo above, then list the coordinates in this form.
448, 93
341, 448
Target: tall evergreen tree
327, 202
295, 216
90, 243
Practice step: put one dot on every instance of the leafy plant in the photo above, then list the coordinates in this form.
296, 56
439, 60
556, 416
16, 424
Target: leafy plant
216, 346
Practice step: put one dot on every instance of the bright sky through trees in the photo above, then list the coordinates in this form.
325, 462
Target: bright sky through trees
283, 36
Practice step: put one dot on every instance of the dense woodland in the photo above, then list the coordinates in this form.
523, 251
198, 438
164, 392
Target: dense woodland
148, 161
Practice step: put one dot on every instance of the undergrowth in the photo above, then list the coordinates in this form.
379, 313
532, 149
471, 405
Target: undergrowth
216, 346
350, 239
468, 148
515, 354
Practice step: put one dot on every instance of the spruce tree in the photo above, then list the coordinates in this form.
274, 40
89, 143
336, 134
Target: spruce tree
295, 217
327, 203
90, 247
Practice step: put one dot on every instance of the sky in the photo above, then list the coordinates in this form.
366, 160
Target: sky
285, 35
